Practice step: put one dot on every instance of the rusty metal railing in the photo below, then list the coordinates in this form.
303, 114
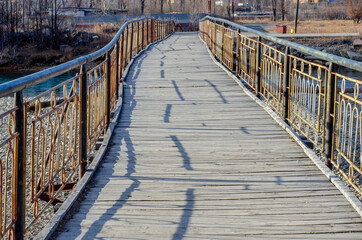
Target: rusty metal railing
316, 98
47, 140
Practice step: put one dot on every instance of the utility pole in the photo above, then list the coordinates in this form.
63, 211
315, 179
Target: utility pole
296, 17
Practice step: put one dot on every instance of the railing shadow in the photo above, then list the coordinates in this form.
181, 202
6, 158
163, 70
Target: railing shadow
177, 90
182, 151
223, 99
128, 105
186, 215
166, 117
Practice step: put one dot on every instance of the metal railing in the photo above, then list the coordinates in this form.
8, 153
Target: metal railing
47, 140
316, 98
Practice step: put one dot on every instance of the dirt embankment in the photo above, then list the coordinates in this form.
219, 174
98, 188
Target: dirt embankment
339, 47
73, 44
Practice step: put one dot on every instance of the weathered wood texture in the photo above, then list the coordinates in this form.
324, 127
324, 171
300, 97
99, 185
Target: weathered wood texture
194, 157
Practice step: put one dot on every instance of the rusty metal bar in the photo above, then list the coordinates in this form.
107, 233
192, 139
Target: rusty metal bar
122, 56
138, 38
222, 42
108, 89
152, 30
117, 70
258, 68
148, 31
331, 92
286, 84
143, 34
83, 121
131, 42
237, 53
20, 165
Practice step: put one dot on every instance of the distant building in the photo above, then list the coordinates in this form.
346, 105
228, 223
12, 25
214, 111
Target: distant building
83, 12
312, 1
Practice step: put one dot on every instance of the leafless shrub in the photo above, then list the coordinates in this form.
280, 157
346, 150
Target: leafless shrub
335, 12
354, 10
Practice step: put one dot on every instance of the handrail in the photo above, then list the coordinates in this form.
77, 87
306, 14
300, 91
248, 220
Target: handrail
356, 65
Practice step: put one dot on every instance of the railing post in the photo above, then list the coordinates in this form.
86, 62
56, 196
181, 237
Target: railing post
329, 128
122, 55
152, 30
138, 37
148, 29
126, 47
108, 90
237, 62
258, 68
143, 34
20, 167
131, 43
117, 69
286, 84
222, 42
83, 121
214, 38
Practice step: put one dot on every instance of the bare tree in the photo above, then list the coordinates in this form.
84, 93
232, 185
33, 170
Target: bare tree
142, 6
274, 7
182, 5
122, 4
78, 3
354, 10
161, 6
282, 6
169, 5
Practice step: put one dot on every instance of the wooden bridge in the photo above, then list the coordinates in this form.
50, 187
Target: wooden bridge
210, 135
194, 157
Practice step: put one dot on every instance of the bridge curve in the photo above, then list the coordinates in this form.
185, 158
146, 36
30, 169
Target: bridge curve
192, 156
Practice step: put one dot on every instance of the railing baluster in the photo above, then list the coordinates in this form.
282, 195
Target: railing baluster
329, 126
83, 121
215, 38
131, 43
237, 62
19, 164
286, 84
258, 68
148, 29
122, 56
143, 35
117, 70
138, 38
108, 90
152, 30
222, 42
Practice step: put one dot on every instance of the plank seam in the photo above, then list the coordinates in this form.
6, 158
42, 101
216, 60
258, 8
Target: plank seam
339, 184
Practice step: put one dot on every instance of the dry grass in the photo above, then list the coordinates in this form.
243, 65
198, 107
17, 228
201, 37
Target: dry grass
108, 29
313, 26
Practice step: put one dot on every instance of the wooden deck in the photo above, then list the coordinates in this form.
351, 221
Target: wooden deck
193, 157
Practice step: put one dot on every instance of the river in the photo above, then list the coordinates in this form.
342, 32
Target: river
35, 90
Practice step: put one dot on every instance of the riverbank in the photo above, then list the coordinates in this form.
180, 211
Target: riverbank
73, 44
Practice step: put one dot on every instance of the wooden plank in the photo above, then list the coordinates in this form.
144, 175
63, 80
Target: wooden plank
194, 157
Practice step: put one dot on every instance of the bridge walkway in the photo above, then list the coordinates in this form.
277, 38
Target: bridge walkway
193, 157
